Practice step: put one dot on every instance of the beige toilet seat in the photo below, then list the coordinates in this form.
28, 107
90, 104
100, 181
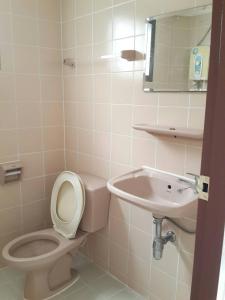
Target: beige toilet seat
67, 204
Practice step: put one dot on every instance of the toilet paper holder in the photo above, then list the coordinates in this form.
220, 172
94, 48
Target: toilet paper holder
10, 171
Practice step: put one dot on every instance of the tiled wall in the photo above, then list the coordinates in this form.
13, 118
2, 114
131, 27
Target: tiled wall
103, 97
31, 110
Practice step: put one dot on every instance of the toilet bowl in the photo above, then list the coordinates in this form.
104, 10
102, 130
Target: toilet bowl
79, 206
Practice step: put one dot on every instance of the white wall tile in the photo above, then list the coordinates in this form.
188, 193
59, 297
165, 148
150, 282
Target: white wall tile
83, 7
123, 21
101, 4
102, 26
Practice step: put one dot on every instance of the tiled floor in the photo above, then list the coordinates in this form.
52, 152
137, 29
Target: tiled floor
94, 284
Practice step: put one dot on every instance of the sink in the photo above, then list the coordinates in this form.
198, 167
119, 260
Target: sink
162, 193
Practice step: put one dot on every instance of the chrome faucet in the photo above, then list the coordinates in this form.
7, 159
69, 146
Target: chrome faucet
193, 186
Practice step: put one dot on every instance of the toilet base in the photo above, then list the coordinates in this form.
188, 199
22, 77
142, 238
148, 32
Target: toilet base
75, 278
44, 283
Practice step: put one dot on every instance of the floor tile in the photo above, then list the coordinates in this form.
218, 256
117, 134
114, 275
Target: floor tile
127, 294
76, 287
94, 284
83, 294
19, 283
3, 278
89, 272
106, 286
12, 274
8, 292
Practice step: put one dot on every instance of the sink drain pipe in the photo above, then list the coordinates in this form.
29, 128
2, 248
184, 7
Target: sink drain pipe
160, 240
186, 230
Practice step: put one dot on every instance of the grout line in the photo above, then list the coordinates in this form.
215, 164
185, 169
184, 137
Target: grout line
94, 12
93, 89
37, 18
28, 128
189, 110
41, 112
63, 88
14, 45
24, 204
17, 119
40, 152
30, 74
177, 271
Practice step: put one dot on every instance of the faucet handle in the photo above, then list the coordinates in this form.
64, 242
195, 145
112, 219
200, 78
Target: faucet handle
196, 177
192, 174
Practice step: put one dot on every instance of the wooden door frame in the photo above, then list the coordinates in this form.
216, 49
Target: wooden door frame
211, 214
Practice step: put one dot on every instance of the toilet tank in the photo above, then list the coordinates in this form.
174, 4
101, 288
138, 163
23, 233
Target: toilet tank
97, 198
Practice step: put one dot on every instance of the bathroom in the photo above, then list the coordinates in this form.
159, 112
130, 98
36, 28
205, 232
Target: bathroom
68, 102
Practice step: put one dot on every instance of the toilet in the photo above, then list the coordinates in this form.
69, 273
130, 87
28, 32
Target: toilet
79, 206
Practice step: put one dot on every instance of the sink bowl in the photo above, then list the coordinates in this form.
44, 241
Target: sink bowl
162, 193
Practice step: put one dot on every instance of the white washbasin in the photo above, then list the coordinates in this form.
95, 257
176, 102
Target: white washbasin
162, 193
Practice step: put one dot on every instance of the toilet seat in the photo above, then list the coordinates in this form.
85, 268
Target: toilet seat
67, 204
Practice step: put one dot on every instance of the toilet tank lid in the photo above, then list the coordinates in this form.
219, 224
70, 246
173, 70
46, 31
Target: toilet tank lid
92, 182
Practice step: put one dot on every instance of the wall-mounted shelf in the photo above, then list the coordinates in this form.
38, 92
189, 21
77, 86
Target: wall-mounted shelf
132, 55
196, 134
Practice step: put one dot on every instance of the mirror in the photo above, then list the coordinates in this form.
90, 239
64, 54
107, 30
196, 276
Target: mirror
177, 51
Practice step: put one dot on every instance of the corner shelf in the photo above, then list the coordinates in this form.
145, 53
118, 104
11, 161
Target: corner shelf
175, 132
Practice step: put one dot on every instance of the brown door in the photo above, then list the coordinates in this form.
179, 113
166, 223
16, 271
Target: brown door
211, 214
